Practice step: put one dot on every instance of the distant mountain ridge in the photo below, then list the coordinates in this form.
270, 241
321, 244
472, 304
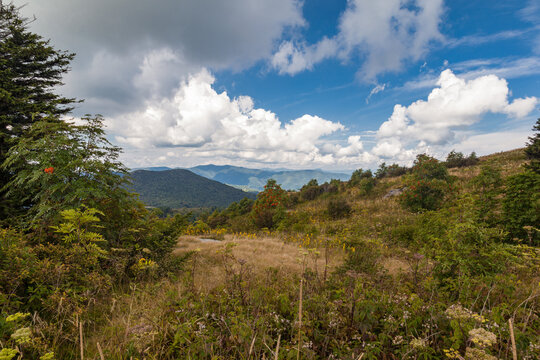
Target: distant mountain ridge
181, 188
255, 179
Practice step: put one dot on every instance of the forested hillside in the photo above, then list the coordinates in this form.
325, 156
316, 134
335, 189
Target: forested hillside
183, 189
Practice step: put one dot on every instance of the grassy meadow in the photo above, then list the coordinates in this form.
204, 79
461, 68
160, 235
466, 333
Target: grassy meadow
378, 281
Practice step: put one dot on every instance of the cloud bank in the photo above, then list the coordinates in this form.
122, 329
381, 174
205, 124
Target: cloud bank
201, 123
206, 122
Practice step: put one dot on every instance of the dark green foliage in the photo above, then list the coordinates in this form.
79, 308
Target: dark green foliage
358, 175
457, 159
180, 188
427, 185
338, 208
393, 170
310, 191
29, 70
521, 207
533, 149
224, 217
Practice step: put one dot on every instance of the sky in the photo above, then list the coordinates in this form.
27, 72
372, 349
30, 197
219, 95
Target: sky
328, 84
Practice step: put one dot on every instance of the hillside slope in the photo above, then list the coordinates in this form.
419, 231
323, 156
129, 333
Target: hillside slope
180, 188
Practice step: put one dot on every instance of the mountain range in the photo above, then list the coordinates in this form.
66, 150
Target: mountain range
254, 179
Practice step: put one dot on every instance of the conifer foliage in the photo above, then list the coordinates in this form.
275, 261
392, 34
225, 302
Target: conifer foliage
30, 68
532, 151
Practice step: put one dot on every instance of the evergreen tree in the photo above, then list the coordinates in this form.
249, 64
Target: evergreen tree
30, 68
533, 149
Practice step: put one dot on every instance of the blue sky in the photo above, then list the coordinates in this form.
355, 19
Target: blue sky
315, 84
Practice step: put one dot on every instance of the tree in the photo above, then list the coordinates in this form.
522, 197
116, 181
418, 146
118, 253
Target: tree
360, 174
30, 68
457, 159
532, 151
269, 208
521, 207
57, 165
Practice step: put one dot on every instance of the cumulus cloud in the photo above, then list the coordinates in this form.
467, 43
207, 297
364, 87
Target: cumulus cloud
385, 33
207, 123
454, 104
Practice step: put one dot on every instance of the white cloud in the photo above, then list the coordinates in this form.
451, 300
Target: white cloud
473, 40
377, 89
484, 144
205, 123
456, 103
293, 58
386, 33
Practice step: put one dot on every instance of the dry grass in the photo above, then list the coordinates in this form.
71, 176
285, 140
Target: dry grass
259, 255
395, 266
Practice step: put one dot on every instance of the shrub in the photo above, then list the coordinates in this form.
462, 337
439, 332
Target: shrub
358, 175
310, 191
393, 170
427, 186
457, 159
366, 185
338, 208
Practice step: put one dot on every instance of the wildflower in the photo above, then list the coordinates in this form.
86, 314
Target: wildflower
458, 312
47, 356
397, 340
451, 353
418, 343
482, 338
22, 335
49, 170
8, 354
477, 354
16, 317
479, 318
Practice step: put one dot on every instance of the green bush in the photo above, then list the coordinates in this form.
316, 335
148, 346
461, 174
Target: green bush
457, 159
393, 170
358, 175
366, 185
427, 185
338, 208
521, 207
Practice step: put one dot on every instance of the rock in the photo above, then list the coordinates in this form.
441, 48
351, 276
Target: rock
393, 192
